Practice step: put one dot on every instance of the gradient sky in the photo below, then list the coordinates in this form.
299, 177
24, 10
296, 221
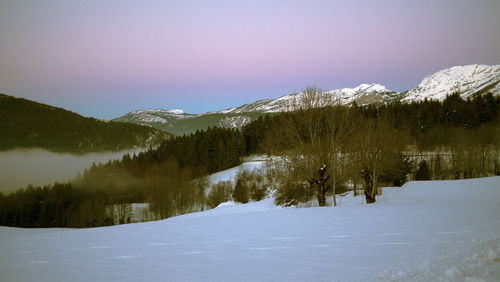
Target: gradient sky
106, 58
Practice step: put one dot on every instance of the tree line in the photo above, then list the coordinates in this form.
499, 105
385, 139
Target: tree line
326, 147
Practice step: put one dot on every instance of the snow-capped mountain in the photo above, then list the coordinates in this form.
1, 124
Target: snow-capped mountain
464, 80
362, 94
156, 115
178, 122
153, 117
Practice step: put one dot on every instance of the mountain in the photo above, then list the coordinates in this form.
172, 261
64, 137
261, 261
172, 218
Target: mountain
25, 124
178, 122
363, 94
465, 80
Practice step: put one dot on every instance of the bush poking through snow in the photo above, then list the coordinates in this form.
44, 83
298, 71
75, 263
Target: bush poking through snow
240, 193
257, 192
219, 193
292, 193
249, 186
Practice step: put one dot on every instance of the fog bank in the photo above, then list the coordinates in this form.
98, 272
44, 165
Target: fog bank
21, 167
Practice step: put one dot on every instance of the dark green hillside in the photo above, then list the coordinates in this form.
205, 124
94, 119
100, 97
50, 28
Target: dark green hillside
26, 124
191, 123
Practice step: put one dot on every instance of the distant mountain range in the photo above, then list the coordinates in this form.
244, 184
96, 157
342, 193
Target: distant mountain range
465, 80
178, 122
26, 124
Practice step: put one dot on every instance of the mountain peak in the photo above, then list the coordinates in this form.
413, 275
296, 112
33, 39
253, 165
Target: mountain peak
465, 80
374, 87
158, 111
176, 111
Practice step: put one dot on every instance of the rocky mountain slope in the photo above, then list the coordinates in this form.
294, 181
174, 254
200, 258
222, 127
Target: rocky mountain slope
466, 80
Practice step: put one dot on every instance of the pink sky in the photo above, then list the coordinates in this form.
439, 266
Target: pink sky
105, 58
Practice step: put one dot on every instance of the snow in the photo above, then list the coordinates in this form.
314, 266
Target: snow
234, 121
176, 111
284, 103
368, 88
148, 116
465, 80
424, 231
230, 174
158, 111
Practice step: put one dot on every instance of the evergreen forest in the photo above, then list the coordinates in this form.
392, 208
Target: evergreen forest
28, 124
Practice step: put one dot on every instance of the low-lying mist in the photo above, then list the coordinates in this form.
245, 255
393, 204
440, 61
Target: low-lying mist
21, 167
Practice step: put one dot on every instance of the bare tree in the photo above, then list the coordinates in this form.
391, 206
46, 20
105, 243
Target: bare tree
372, 149
340, 130
310, 98
306, 150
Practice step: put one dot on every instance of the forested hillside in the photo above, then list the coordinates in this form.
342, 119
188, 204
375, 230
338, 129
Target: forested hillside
26, 124
161, 177
322, 150
428, 124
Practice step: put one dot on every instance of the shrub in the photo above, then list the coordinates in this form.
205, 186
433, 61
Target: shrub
257, 192
250, 186
219, 193
240, 193
423, 172
292, 193
397, 170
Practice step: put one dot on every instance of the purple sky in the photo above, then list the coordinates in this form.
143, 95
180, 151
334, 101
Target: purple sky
106, 58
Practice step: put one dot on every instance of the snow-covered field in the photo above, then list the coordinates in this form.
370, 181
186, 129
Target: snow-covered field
425, 231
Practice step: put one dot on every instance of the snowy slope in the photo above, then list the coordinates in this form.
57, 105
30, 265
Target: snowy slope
151, 116
465, 80
425, 231
178, 122
231, 173
363, 94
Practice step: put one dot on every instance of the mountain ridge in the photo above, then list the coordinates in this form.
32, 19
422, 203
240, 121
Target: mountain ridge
466, 80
